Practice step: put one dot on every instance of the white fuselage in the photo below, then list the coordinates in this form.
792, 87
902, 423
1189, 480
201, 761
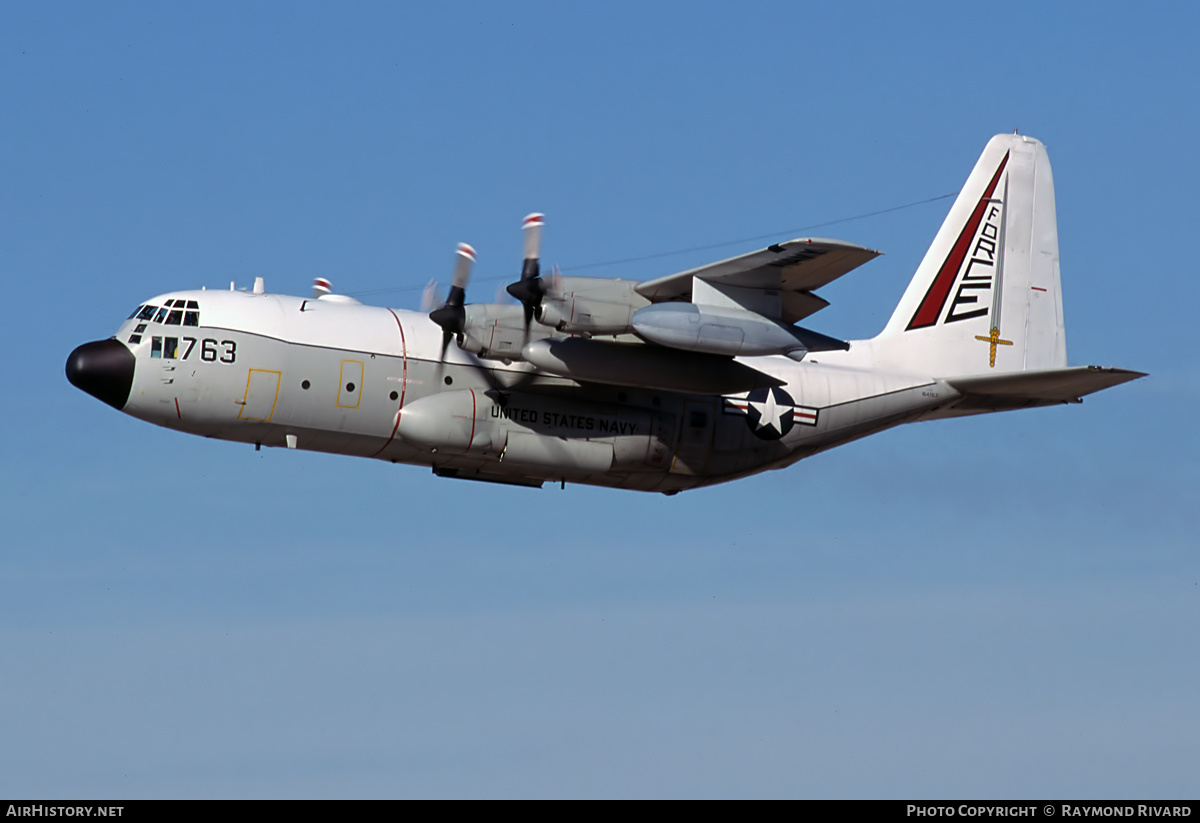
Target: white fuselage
335, 376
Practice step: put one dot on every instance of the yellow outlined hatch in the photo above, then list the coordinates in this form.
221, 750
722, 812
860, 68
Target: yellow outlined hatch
262, 392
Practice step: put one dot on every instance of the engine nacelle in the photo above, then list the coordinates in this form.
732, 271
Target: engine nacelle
590, 305
494, 330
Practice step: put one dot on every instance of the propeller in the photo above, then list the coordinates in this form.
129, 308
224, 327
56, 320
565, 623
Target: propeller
530, 289
321, 287
452, 317
431, 297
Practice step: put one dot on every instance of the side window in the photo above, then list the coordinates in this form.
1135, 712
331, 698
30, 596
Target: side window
170, 347
156, 347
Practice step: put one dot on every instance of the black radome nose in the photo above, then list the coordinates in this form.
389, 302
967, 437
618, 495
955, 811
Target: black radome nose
103, 369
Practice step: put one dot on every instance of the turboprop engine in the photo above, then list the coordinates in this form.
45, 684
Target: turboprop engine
494, 330
590, 305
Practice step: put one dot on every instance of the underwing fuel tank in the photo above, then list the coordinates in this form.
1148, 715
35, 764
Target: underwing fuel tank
532, 430
726, 331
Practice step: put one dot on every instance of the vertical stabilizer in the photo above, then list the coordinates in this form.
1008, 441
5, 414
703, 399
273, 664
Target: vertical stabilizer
987, 299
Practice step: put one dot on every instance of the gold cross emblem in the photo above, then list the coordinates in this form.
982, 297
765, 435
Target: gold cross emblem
994, 339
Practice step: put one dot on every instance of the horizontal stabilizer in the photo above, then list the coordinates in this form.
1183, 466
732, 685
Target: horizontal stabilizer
1019, 390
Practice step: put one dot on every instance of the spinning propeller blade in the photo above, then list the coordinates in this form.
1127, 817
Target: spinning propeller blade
530, 289
430, 299
452, 316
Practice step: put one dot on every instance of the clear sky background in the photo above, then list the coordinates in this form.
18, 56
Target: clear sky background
1001, 606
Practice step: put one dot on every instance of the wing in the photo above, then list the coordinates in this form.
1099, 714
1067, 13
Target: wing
795, 269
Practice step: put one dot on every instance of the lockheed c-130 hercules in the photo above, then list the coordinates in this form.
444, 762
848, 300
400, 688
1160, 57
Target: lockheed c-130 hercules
687, 380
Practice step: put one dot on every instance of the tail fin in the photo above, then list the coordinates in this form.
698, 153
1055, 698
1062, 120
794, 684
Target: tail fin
987, 299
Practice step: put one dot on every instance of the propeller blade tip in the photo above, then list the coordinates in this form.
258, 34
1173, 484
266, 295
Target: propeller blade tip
429, 297
466, 251
533, 220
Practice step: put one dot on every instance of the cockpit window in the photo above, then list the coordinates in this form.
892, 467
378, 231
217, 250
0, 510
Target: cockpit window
176, 312
133, 313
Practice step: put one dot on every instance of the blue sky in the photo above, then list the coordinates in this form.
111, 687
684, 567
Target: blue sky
1003, 606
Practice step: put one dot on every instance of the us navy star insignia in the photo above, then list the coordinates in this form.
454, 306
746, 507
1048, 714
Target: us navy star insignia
770, 413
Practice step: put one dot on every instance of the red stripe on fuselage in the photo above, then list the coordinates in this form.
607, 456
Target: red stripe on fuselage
403, 383
469, 442
935, 299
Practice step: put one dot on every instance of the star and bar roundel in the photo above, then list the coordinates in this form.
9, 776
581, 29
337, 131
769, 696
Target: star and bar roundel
770, 413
